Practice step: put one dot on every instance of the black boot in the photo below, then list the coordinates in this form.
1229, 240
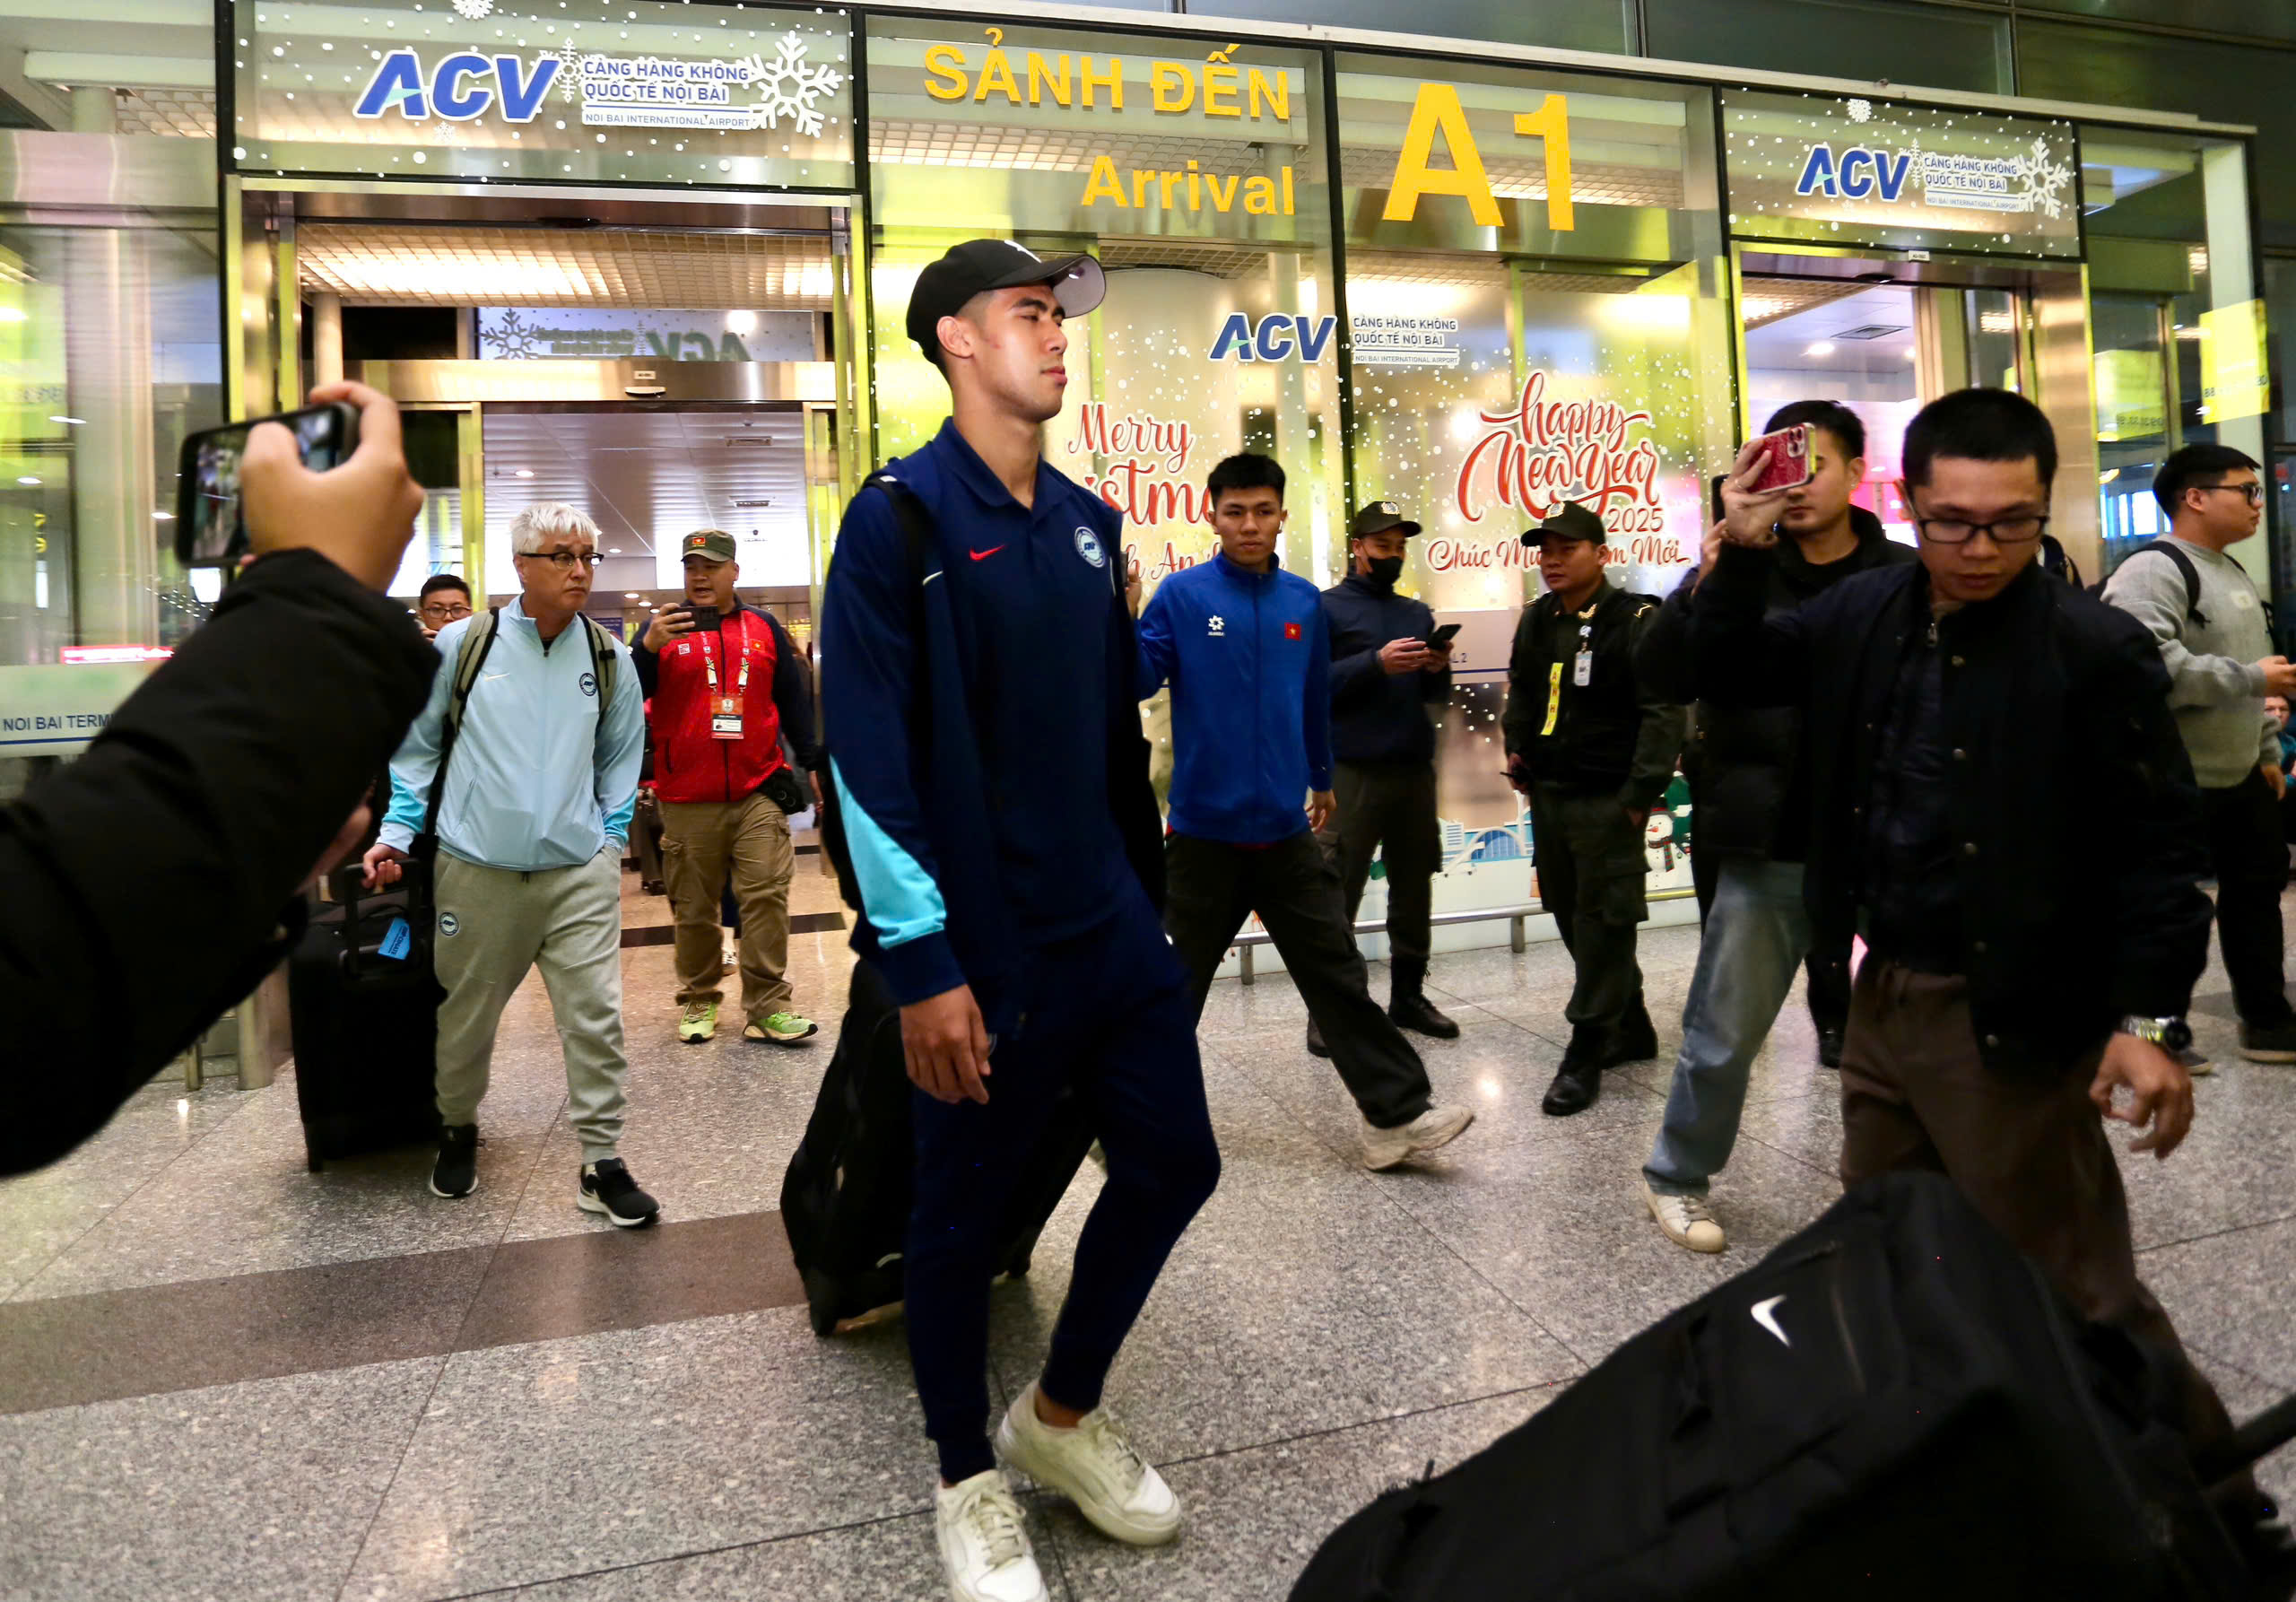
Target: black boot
1637, 1040
1578, 1082
1409, 1008
1829, 1039
1316, 1046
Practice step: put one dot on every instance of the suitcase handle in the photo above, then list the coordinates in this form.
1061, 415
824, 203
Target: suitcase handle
2268, 1431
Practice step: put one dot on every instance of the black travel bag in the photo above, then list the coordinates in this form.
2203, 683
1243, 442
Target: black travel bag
365, 1026
845, 1200
1895, 1404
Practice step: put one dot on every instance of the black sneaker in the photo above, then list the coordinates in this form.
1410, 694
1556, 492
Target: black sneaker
456, 1173
1415, 1013
1830, 1047
2268, 1042
608, 1189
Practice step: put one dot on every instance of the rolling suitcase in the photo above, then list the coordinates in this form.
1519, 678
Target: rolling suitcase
1895, 1404
845, 1198
365, 1028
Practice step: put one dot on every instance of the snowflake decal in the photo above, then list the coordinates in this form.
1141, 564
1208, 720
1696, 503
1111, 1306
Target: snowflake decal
512, 337
474, 11
569, 73
2047, 182
1859, 110
790, 86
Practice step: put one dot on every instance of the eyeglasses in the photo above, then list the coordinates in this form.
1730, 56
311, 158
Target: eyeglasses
451, 611
564, 561
2001, 531
2253, 493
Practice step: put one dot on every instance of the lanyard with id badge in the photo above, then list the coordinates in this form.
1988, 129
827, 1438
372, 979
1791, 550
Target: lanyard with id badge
725, 711
1582, 671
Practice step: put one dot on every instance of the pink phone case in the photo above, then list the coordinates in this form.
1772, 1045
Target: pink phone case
1789, 459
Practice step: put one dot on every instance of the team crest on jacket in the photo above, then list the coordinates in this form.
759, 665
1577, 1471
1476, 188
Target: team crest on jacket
1088, 546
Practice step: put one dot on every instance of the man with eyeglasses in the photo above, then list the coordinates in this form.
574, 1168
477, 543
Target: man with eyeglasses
445, 599
1999, 802
540, 777
2215, 640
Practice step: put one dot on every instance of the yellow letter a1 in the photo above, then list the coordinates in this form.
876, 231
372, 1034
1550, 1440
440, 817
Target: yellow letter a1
1438, 110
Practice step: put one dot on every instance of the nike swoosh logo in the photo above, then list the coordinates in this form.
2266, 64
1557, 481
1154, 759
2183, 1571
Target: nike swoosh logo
1765, 1314
491, 678
984, 555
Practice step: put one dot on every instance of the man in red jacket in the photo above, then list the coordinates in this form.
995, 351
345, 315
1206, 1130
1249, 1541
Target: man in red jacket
726, 684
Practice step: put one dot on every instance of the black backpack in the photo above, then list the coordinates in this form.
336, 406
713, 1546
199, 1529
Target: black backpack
2193, 614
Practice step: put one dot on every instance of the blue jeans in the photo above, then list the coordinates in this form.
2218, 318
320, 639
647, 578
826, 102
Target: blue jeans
1755, 938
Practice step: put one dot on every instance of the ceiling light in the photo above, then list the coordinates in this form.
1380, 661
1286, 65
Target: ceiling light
70, 422
164, 517
526, 473
12, 314
740, 322
1824, 347
27, 479
1913, 352
613, 550
632, 595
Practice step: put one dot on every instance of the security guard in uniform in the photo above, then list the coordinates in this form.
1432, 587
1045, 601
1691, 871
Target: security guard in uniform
1594, 754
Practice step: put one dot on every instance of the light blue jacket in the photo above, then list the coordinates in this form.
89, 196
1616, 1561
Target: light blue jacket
537, 779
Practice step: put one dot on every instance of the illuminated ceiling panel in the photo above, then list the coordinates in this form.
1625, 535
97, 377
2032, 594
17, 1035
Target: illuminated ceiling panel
534, 266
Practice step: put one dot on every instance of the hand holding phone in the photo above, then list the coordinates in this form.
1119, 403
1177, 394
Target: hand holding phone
211, 510
1753, 493
704, 619
1440, 637
359, 515
1791, 465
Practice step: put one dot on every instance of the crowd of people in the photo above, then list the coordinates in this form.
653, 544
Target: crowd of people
2008, 789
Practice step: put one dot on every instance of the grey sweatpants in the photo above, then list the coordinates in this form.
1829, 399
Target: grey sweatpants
493, 926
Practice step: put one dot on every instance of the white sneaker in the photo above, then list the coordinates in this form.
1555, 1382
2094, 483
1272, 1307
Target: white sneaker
1435, 1127
1095, 1467
733, 960
1685, 1219
984, 1546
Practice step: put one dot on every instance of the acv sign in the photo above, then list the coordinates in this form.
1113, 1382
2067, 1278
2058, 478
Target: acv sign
457, 88
1276, 338
1860, 174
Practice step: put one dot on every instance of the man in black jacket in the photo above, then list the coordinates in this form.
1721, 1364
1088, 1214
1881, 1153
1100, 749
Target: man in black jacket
1385, 676
1594, 752
1750, 827
216, 785
2001, 803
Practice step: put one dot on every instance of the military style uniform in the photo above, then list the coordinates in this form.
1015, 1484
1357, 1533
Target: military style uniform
1596, 752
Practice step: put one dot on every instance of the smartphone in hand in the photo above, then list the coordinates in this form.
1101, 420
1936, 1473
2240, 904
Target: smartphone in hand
211, 520
1791, 465
706, 619
1441, 636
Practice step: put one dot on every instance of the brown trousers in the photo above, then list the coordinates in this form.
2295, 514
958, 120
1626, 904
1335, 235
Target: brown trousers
701, 842
2031, 1152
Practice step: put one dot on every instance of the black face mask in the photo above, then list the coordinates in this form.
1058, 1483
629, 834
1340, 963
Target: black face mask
1386, 571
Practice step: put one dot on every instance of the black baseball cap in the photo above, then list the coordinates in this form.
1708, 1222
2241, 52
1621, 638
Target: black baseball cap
976, 266
1377, 516
1571, 521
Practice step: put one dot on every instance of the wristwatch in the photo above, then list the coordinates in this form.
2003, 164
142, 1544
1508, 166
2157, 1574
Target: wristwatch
2170, 1034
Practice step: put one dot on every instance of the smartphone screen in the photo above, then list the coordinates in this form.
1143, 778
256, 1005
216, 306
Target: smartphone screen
1443, 635
705, 618
210, 523
1791, 466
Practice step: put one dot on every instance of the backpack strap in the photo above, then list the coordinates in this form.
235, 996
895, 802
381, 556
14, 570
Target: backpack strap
2193, 613
603, 662
915, 521
477, 642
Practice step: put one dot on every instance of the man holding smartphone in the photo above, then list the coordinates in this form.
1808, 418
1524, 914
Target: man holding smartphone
1390, 675
726, 684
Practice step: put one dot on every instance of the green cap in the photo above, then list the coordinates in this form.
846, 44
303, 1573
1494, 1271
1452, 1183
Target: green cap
715, 545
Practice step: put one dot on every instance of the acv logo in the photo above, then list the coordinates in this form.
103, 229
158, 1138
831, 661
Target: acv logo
1276, 338
456, 89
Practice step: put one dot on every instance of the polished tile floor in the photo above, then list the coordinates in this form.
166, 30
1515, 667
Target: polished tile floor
223, 1377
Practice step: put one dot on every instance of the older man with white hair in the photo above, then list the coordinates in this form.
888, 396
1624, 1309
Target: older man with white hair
524, 768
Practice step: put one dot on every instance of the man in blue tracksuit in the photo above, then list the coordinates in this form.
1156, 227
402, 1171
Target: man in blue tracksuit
1243, 645
987, 752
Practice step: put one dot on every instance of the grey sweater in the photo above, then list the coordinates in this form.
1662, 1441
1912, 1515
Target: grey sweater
2215, 687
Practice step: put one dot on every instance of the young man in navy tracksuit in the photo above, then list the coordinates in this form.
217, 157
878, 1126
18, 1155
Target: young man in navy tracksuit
986, 751
1243, 645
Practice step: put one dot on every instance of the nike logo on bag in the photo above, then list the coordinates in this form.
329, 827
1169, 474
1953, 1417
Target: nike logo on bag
1765, 1314
985, 556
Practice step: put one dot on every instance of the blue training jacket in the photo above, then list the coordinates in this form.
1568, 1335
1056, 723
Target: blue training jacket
1250, 665
996, 810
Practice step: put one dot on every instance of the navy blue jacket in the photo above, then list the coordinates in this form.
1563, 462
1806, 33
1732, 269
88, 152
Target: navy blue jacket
999, 808
1250, 664
1378, 716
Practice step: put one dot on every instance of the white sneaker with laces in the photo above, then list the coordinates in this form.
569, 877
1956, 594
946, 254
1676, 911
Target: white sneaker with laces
1391, 1148
984, 1546
1685, 1219
1094, 1466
